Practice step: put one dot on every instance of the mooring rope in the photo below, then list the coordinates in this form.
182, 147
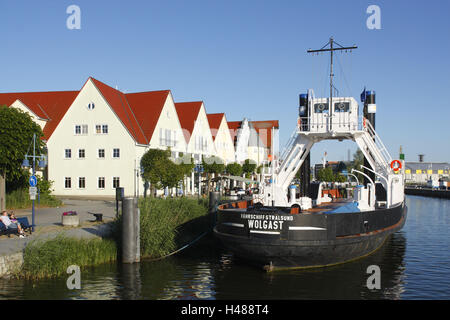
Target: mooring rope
180, 249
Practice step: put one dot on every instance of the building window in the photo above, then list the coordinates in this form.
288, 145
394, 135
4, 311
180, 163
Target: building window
116, 153
81, 154
81, 129
91, 106
116, 182
201, 144
68, 153
101, 182
68, 183
167, 137
81, 182
101, 153
101, 128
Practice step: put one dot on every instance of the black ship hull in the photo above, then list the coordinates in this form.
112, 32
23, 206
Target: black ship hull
276, 239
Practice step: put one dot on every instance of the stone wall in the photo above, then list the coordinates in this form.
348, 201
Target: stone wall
10, 263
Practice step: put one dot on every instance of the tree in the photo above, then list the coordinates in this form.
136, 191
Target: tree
358, 161
248, 167
326, 174
212, 165
234, 169
16, 133
154, 164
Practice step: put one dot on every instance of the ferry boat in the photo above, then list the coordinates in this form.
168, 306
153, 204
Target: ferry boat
277, 229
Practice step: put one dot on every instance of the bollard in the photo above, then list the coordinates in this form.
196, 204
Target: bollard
130, 230
214, 199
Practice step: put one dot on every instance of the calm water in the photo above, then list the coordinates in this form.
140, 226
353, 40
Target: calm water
414, 263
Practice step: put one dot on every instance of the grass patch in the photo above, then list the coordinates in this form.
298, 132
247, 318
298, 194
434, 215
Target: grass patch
51, 257
20, 199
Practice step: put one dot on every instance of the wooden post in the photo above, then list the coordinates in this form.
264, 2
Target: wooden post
130, 230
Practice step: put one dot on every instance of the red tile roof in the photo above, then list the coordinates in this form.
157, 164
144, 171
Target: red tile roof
49, 106
147, 107
215, 120
139, 112
188, 114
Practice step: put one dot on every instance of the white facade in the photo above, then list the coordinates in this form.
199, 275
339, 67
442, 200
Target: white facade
98, 159
168, 131
223, 142
243, 136
200, 142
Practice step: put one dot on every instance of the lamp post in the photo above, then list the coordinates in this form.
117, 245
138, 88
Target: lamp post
33, 181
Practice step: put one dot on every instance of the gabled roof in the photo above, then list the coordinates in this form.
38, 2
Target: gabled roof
147, 107
214, 120
188, 114
139, 112
49, 106
264, 130
119, 103
233, 127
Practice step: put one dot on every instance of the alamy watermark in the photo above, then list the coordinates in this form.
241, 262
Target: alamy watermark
74, 281
374, 20
374, 280
73, 22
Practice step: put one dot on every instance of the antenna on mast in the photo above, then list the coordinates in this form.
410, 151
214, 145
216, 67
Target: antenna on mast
331, 49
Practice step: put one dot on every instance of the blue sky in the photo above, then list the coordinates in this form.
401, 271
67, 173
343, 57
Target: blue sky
246, 58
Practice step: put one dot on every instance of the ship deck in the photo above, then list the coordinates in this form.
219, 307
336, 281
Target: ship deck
241, 206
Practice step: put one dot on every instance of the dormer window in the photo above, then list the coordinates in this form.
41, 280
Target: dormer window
91, 106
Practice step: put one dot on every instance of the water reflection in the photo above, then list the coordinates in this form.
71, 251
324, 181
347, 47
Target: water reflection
130, 280
346, 281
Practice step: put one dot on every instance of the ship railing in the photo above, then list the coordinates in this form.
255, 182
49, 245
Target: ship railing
338, 123
289, 144
378, 142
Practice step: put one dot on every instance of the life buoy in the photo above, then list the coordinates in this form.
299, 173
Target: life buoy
364, 122
398, 167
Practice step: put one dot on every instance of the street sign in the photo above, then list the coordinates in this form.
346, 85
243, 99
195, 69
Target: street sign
32, 191
33, 181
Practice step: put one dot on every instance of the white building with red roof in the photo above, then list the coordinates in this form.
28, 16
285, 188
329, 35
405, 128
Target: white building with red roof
97, 136
223, 141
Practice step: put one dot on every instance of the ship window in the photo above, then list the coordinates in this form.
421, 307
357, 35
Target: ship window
321, 107
341, 107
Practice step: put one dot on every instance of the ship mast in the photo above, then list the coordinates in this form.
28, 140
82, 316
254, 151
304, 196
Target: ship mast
331, 49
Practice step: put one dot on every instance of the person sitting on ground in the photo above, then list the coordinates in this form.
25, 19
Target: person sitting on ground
11, 225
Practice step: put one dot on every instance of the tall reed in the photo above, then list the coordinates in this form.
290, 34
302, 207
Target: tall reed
51, 257
20, 199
